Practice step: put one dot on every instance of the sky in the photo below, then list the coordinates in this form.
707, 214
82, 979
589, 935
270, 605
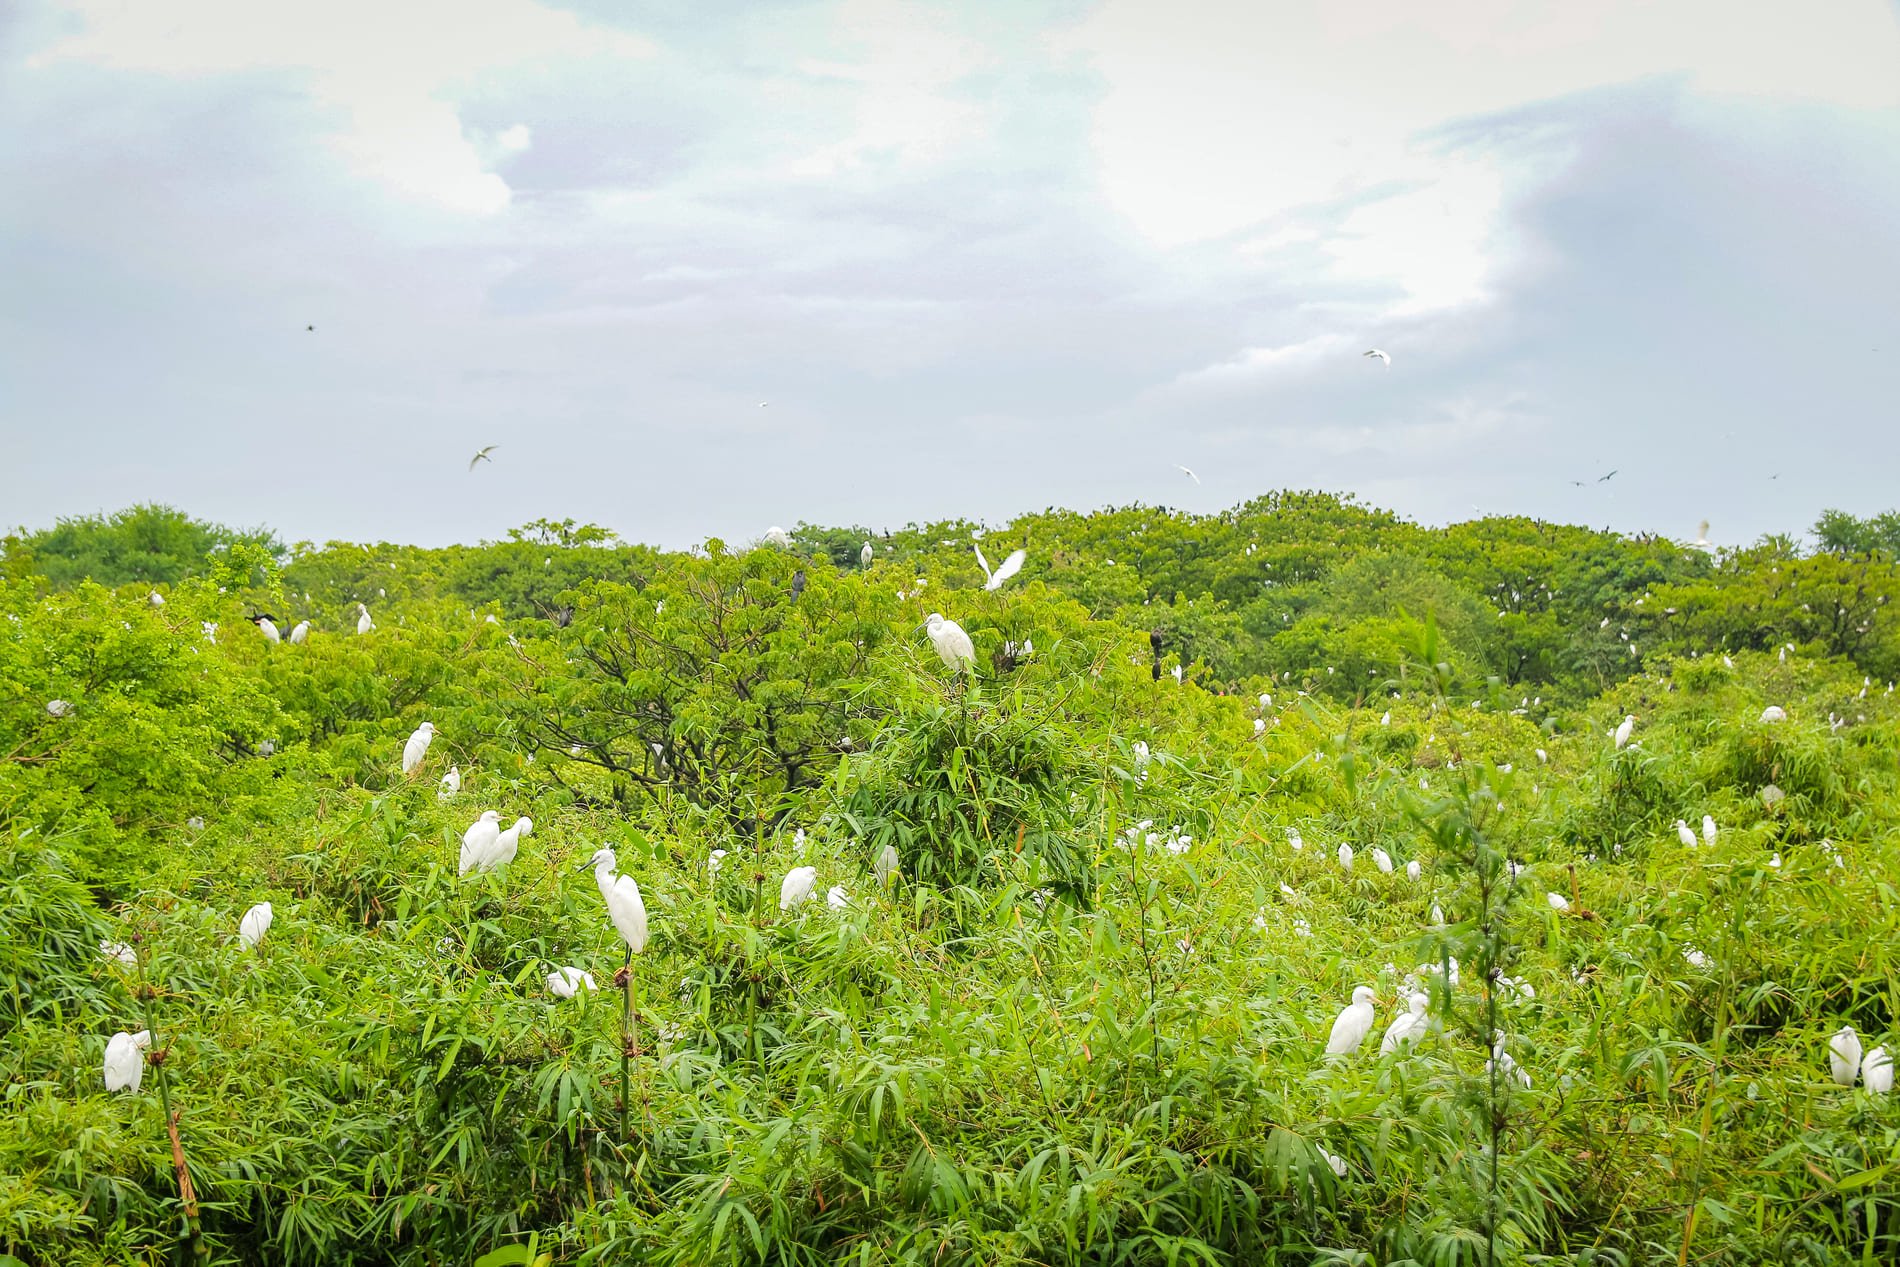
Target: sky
700, 269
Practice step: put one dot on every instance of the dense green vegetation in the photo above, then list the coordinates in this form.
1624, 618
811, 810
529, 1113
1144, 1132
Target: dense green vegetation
1082, 1024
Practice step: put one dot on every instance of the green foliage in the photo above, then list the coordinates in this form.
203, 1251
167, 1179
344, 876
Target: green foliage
145, 545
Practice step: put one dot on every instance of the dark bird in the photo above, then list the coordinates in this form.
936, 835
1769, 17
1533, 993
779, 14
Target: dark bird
1601, 478
310, 329
1154, 643
798, 584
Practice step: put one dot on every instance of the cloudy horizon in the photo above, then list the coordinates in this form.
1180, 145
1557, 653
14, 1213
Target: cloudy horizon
861, 261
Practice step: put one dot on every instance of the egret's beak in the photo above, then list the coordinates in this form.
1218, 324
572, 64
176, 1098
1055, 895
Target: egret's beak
585, 865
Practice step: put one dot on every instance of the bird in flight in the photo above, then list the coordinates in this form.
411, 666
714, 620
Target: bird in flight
1598, 480
1702, 535
310, 329
1384, 359
483, 456
1190, 474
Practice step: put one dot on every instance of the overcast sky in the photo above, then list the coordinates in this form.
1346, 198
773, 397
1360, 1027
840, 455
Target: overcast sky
698, 269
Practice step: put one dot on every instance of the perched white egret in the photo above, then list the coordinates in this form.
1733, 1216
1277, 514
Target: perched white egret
1876, 1070
1408, 1026
1345, 856
363, 623
566, 982
1412, 870
417, 747
119, 952
478, 842
1685, 835
155, 598
1558, 902
58, 708
1259, 725
796, 887
1843, 1055
125, 1060
953, 645
268, 628
1438, 915
1294, 840
1385, 718
1774, 712
299, 632
1622, 735
195, 823
1708, 829
622, 895
1507, 1066
1382, 357
885, 869
836, 898
210, 628
777, 536
1353, 1023
866, 555
508, 843
1543, 757
1382, 860
714, 861
450, 785
1004, 570
1139, 750
254, 925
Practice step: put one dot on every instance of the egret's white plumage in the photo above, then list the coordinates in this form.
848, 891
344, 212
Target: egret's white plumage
1004, 570
1702, 535
1353, 1023
885, 869
1345, 856
1412, 869
58, 708
1774, 712
155, 598
1708, 829
418, 747
796, 887
125, 1060
1558, 902
777, 536
1876, 1070
119, 953
953, 645
1382, 860
481, 455
624, 906
1622, 735
866, 555
451, 784
1185, 471
566, 982
1843, 1055
266, 627
478, 842
299, 632
836, 898
254, 925
1408, 1026
1685, 835
363, 623
508, 843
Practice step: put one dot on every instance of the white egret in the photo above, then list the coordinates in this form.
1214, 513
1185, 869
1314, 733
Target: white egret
836, 898
1382, 860
1345, 857
1876, 1070
866, 555
481, 455
1334, 1162
1843, 1055
1259, 725
1412, 870
210, 628
1353, 1023
155, 598
714, 861
1622, 735
1266, 702
1294, 840
566, 982
478, 842
1507, 1066
195, 823
119, 952
1438, 915
622, 895
58, 708
796, 887
1385, 718
299, 632
1004, 570
254, 925
885, 869
363, 623
125, 1060
1701, 541
1139, 750
1685, 835
1185, 471
451, 784
417, 747
508, 843
1408, 1026
1558, 902
1774, 712
1543, 756
1383, 358
267, 627
777, 536
953, 645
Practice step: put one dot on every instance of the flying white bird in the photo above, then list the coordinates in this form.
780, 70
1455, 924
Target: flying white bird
796, 887
363, 623
268, 628
866, 555
1345, 857
1774, 712
1708, 829
482, 456
1408, 1026
1185, 471
1843, 1055
417, 747
1353, 1024
451, 784
622, 895
1004, 570
1876, 1070
1623, 732
1701, 541
777, 536
299, 632
125, 1060
120, 953
1685, 835
1383, 358
478, 842
566, 982
1382, 860
953, 645
254, 925
885, 869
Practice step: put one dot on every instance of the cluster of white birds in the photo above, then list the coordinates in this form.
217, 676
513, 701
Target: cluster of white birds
487, 844
1846, 1063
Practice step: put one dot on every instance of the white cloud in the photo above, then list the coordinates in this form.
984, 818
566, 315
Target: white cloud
393, 72
1252, 367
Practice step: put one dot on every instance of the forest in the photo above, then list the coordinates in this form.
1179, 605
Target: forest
1297, 884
